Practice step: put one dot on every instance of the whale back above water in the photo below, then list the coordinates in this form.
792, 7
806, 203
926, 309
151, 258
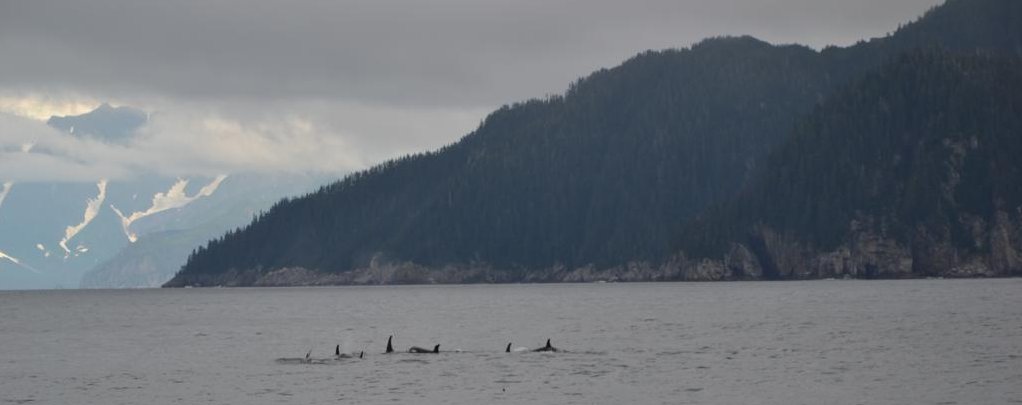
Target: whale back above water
547, 348
417, 349
339, 355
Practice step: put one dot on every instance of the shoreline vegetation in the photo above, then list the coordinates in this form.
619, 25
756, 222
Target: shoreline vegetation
410, 274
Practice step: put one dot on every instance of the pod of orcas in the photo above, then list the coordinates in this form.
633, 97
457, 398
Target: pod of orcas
414, 349
338, 354
436, 349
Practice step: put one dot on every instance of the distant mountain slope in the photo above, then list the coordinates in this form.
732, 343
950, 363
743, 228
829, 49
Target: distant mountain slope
106, 123
603, 176
146, 262
167, 239
915, 171
38, 220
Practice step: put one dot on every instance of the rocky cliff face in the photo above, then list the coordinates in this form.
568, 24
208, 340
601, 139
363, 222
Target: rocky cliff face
766, 255
869, 253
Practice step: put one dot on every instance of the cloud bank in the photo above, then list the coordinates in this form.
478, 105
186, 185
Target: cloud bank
208, 140
461, 53
335, 86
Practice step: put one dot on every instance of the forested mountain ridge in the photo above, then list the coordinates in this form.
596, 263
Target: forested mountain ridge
597, 183
556, 181
914, 171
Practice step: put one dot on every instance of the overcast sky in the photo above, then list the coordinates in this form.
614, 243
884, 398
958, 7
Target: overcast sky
338, 85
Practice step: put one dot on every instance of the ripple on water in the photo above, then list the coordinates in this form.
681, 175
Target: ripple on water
630, 344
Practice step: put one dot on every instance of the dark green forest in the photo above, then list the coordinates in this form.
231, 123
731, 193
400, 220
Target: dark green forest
680, 150
923, 152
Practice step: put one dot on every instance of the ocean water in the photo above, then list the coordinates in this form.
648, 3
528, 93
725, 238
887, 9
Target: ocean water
822, 342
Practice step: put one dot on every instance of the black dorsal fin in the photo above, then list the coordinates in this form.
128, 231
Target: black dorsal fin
361, 354
337, 350
436, 349
390, 348
548, 344
508, 350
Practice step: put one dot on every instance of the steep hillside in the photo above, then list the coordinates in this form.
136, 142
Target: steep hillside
912, 172
601, 178
606, 173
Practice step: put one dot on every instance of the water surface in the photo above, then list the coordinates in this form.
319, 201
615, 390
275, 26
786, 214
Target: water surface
835, 342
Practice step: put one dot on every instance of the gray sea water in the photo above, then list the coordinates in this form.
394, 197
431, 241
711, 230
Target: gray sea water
823, 342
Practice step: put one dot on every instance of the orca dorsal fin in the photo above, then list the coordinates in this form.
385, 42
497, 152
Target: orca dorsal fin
308, 355
436, 349
337, 350
361, 354
508, 350
390, 348
548, 344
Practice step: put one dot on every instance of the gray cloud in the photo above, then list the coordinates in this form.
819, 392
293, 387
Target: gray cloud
450, 53
334, 86
208, 139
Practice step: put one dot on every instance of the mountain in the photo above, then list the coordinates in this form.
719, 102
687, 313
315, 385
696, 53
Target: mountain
914, 171
54, 233
533, 186
108, 123
600, 181
150, 262
166, 239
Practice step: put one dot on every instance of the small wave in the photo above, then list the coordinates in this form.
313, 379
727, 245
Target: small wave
302, 360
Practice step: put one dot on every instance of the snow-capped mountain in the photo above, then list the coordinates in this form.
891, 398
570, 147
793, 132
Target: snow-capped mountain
54, 233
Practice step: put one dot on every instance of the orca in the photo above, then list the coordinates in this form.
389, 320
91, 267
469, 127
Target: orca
299, 360
547, 348
417, 349
339, 355
508, 350
390, 348
361, 354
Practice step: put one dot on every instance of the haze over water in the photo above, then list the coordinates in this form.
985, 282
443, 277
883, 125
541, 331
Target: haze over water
836, 342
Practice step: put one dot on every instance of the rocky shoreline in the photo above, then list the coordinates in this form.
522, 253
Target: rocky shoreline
766, 256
